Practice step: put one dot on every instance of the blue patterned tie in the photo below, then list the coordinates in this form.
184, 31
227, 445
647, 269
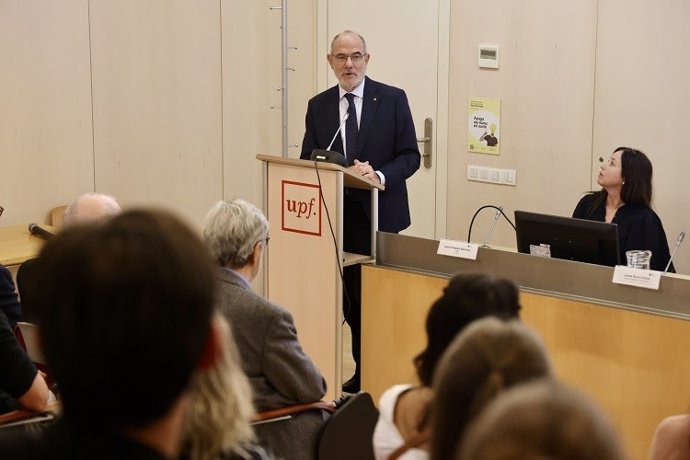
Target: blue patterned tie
351, 129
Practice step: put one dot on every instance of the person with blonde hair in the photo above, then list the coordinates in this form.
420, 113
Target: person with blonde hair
220, 408
488, 357
540, 420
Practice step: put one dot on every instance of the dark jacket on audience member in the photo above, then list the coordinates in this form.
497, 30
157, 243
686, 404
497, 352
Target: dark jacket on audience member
639, 227
279, 371
9, 303
17, 372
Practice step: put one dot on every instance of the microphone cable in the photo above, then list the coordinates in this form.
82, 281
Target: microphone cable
469, 233
335, 242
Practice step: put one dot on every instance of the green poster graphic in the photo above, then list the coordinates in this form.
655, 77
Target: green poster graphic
484, 126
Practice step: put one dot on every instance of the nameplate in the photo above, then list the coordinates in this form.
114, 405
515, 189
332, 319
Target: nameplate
458, 249
648, 279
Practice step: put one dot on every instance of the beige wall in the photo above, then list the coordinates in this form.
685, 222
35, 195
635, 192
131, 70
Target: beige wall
168, 101
577, 79
45, 107
546, 84
162, 102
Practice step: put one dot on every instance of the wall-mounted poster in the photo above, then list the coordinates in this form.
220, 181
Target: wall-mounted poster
484, 126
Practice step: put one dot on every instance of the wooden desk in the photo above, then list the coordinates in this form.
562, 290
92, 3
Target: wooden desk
18, 245
623, 346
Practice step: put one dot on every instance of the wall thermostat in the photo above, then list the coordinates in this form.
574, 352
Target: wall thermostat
488, 56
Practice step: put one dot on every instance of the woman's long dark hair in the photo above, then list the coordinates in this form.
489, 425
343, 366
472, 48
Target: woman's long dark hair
636, 171
466, 298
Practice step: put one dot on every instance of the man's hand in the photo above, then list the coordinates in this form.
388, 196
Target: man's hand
365, 169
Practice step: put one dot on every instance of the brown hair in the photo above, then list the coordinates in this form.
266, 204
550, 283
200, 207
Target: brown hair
488, 357
543, 419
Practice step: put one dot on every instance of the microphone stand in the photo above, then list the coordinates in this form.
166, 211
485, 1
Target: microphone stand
499, 213
681, 236
493, 225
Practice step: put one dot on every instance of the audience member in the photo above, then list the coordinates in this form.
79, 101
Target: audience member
671, 439
403, 420
21, 385
542, 420
220, 408
86, 208
280, 373
9, 303
125, 316
488, 357
90, 207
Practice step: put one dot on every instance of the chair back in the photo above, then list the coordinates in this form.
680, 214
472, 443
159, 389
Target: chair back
348, 433
27, 335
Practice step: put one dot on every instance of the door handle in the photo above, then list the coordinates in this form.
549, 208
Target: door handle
427, 140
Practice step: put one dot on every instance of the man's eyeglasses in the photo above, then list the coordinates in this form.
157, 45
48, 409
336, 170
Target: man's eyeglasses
355, 57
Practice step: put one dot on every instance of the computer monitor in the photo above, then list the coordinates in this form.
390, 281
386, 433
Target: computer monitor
567, 238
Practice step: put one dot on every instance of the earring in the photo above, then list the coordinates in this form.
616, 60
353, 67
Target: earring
623, 182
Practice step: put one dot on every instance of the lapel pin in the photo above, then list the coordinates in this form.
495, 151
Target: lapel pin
375, 99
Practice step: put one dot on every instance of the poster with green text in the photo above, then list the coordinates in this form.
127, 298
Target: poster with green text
484, 126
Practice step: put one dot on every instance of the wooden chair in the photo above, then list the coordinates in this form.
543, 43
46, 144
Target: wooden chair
286, 413
56, 216
28, 420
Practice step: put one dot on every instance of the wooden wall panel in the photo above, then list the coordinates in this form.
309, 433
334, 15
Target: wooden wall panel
157, 103
45, 107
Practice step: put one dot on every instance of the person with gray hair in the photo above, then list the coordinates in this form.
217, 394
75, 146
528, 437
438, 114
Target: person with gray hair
90, 207
280, 373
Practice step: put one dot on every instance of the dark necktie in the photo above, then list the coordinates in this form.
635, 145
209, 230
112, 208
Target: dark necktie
351, 129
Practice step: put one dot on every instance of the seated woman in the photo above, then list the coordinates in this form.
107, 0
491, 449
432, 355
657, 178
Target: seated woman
487, 358
543, 419
625, 199
402, 428
671, 439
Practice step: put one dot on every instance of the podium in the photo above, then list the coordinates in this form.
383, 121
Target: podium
303, 202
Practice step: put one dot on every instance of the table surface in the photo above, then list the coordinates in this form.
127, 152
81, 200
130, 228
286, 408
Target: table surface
18, 245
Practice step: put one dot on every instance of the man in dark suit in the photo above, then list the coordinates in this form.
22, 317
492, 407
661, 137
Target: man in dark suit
280, 373
379, 142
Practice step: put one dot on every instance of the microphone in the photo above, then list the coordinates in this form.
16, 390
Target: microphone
681, 237
499, 210
328, 155
342, 123
37, 230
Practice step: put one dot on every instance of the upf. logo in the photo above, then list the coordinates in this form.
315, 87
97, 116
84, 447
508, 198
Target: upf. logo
301, 208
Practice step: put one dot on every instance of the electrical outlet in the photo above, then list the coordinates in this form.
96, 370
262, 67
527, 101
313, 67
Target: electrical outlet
491, 175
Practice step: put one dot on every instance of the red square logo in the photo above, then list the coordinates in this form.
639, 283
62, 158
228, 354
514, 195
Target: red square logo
301, 208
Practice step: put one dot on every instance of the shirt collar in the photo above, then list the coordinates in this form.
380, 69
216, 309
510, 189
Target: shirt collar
242, 278
358, 91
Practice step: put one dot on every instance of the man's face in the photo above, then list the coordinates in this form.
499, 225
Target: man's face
348, 59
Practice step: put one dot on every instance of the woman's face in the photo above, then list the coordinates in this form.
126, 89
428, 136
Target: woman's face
611, 172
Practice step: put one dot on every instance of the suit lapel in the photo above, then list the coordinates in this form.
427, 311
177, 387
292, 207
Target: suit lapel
370, 103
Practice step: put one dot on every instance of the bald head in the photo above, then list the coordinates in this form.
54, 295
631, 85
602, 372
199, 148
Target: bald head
90, 207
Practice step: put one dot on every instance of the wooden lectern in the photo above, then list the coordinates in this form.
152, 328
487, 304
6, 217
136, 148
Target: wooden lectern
304, 205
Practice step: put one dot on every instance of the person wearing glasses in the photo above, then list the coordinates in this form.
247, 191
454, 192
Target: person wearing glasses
379, 141
280, 373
